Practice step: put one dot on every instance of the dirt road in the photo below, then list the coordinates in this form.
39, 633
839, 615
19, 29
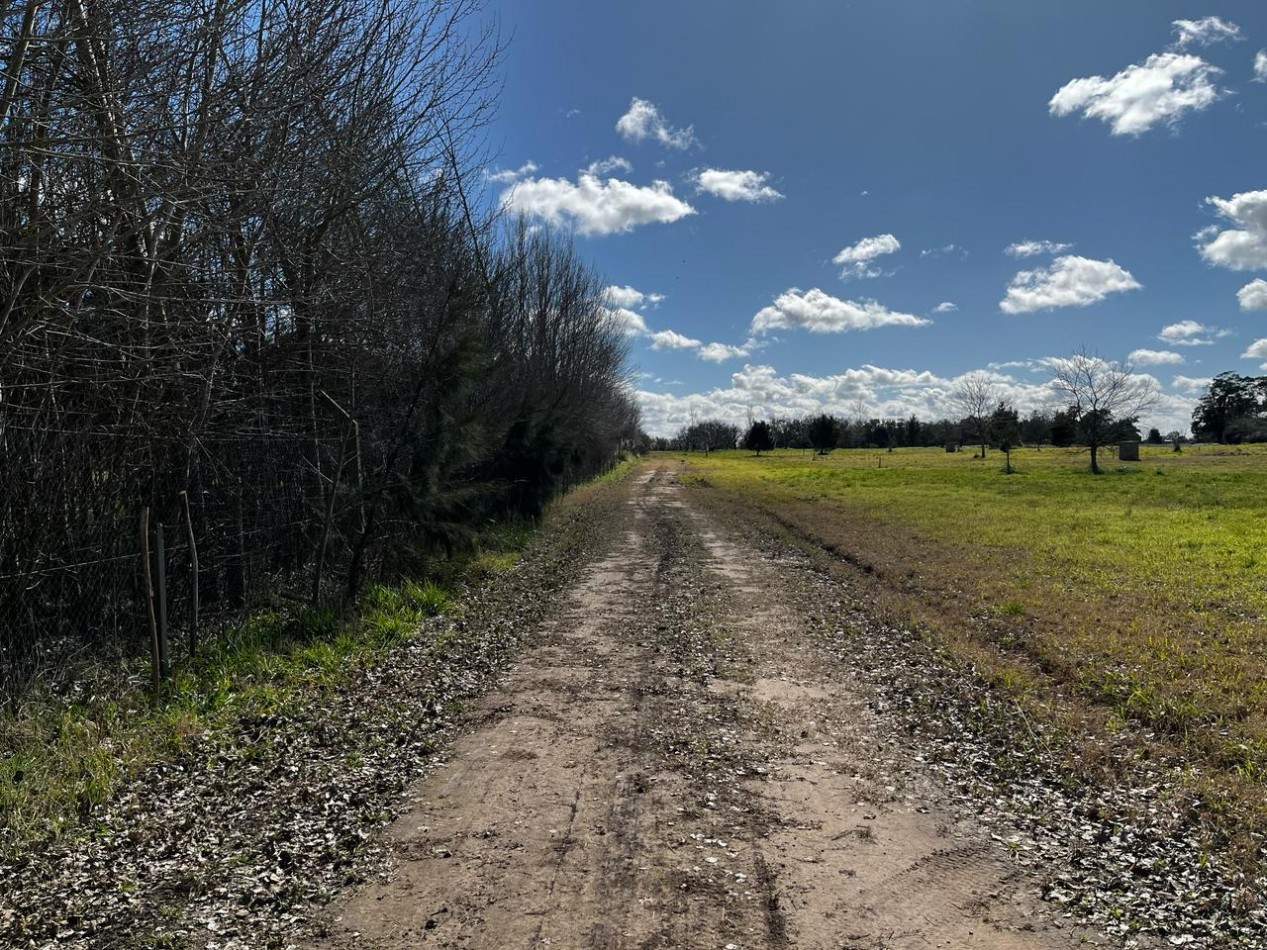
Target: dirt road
681, 760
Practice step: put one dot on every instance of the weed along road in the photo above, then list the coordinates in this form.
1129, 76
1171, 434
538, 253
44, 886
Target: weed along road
683, 756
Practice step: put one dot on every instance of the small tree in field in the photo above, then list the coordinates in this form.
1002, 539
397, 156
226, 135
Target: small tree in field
975, 395
1005, 430
823, 432
759, 438
1064, 428
1099, 393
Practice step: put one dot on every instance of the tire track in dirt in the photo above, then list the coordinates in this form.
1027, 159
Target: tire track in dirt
867, 853
673, 763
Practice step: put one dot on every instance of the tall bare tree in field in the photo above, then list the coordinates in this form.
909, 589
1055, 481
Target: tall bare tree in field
975, 396
1101, 393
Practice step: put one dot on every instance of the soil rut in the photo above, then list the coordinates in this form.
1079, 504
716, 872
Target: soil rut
675, 763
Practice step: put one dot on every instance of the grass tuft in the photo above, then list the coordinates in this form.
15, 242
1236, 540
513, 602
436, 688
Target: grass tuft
1012, 608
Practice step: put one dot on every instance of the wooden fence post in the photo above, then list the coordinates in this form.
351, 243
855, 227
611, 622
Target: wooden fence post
193, 577
352, 432
156, 675
160, 561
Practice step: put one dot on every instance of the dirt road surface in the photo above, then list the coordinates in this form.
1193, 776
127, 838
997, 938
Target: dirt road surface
681, 760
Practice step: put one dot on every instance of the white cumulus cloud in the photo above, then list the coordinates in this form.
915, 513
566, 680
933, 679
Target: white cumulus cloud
620, 302
945, 307
1154, 357
856, 260
1033, 366
820, 312
619, 296
1191, 383
1260, 66
1253, 296
672, 340
1243, 247
628, 322
877, 391
1070, 281
1034, 248
595, 205
507, 175
761, 389
1162, 89
1191, 333
1203, 32
1256, 351
606, 166
736, 185
720, 352
643, 120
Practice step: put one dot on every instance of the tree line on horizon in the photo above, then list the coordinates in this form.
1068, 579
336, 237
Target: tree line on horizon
245, 293
1103, 405
828, 431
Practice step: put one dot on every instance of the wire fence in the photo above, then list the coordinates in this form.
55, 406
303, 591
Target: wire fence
237, 521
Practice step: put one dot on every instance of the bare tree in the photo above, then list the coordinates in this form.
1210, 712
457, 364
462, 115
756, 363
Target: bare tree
975, 396
1101, 393
857, 421
241, 286
709, 435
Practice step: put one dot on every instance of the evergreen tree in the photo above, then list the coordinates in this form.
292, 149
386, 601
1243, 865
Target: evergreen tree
759, 438
823, 432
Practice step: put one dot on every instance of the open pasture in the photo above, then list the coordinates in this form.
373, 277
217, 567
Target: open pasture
1134, 597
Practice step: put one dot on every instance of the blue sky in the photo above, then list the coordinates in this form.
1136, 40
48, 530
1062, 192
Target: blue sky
836, 206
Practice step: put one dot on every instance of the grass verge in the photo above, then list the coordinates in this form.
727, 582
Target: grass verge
60, 759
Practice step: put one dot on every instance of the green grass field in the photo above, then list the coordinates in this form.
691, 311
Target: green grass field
1142, 592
